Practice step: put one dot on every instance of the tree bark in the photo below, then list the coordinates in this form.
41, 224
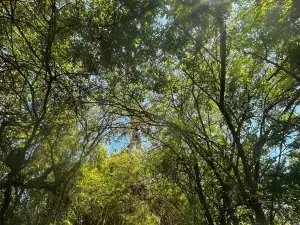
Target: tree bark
201, 196
259, 213
6, 203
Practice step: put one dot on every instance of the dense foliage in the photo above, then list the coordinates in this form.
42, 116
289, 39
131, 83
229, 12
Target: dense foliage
207, 94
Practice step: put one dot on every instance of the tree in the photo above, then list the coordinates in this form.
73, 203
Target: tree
227, 93
122, 189
213, 86
50, 51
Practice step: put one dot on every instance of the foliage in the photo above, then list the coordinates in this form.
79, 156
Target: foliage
119, 189
211, 87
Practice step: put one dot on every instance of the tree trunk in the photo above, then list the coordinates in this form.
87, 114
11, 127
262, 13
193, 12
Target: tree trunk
201, 196
6, 203
259, 213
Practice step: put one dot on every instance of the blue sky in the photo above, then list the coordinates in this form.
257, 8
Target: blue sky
119, 144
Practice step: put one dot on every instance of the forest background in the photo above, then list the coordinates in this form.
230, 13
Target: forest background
205, 92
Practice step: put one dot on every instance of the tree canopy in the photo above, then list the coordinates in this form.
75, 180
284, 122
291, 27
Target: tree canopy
205, 93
